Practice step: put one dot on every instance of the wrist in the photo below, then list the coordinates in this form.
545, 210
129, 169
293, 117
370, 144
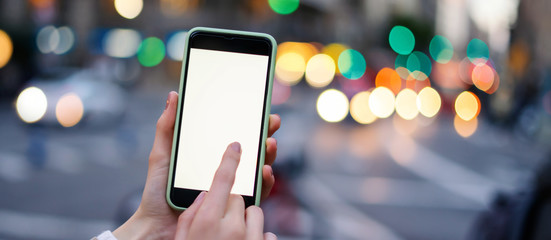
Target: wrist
141, 227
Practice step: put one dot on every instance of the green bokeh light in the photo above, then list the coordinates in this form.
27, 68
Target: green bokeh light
419, 65
477, 51
401, 40
351, 64
284, 6
151, 52
441, 49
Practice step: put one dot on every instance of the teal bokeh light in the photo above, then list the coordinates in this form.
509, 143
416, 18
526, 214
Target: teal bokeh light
419, 65
477, 51
283, 6
401, 66
401, 40
151, 52
441, 49
351, 64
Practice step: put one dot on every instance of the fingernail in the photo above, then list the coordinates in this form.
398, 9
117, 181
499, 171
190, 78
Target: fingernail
236, 147
271, 171
198, 198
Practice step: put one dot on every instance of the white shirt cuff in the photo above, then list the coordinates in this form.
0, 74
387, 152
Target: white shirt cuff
107, 235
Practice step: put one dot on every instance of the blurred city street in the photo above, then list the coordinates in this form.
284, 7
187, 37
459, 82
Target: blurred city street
413, 183
401, 119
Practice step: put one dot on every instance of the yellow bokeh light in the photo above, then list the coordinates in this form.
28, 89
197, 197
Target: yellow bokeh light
381, 102
31, 104
290, 68
306, 50
406, 105
129, 9
320, 70
332, 105
6, 48
428, 102
359, 108
467, 105
465, 128
69, 110
334, 50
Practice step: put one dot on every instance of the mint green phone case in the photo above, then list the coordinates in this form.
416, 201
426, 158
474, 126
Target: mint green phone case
266, 114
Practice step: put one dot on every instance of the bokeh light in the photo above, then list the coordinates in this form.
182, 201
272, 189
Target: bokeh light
6, 48
334, 50
496, 83
441, 49
332, 105
175, 45
284, 6
406, 105
401, 66
129, 9
483, 76
477, 51
151, 52
290, 68
306, 50
428, 102
55, 40
417, 85
31, 104
359, 108
320, 70
419, 65
465, 128
401, 40
66, 40
351, 64
69, 110
465, 71
467, 105
121, 43
47, 39
390, 79
447, 75
381, 102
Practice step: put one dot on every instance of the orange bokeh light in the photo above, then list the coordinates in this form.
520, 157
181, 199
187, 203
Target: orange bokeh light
390, 79
483, 77
465, 128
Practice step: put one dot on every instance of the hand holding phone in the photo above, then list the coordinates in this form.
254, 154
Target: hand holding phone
225, 96
154, 216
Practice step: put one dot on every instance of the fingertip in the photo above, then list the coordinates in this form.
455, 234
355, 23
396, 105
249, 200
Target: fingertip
270, 236
236, 147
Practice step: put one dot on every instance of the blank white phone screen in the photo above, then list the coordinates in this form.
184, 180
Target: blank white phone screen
223, 103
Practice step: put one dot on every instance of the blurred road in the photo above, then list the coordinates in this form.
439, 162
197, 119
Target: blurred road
392, 179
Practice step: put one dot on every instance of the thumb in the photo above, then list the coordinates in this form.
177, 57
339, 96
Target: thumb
165, 129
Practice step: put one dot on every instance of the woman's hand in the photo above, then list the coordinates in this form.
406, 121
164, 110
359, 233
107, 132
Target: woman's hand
154, 219
219, 214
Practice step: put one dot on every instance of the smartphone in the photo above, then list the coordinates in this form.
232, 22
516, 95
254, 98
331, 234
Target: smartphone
225, 93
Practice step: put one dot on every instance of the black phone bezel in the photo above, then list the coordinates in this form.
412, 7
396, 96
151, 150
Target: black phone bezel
228, 42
